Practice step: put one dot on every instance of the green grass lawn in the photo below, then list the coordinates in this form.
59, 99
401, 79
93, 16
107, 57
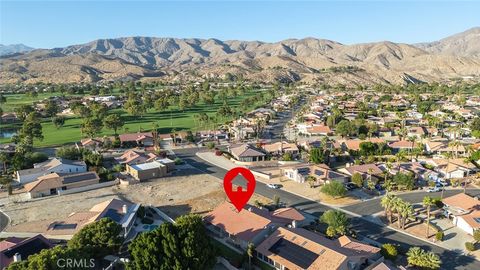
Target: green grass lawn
16, 100
171, 118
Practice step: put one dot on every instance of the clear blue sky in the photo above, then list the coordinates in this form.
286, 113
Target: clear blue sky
44, 24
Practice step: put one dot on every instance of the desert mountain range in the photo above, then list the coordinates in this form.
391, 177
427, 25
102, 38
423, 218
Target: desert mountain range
308, 59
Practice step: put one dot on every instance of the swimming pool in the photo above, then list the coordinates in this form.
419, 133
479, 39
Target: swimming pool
150, 227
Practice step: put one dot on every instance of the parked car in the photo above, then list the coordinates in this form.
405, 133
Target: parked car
274, 186
350, 186
434, 189
443, 183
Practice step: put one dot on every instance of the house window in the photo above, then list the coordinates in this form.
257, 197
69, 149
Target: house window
64, 188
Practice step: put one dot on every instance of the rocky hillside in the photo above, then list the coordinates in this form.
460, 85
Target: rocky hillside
465, 44
306, 59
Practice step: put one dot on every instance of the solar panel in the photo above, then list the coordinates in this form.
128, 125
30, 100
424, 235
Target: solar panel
28, 248
65, 226
113, 215
293, 253
78, 178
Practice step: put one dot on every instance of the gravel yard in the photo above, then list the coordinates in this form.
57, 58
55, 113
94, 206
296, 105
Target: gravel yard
185, 191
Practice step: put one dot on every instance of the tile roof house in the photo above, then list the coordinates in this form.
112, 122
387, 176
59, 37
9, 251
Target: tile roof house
364, 170
240, 228
91, 143
52, 184
140, 138
8, 117
321, 172
399, 145
297, 248
17, 249
418, 132
420, 172
442, 146
54, 165
452, 168
251, 225
279, 148
355, 144
465, 211
319, 130
135, 157
246, 153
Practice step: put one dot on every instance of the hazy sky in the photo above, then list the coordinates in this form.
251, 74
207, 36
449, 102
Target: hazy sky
47, 24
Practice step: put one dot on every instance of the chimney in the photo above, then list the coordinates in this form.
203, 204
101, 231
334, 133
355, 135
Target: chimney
17, 257
124, 209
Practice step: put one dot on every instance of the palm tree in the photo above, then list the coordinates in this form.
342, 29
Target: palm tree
415, 255
465, 179
412, 139
432, 260
397, 206
387, 203
250, 250
428, 202
454, 144
407, 212
4, 158
370, 172
311, 180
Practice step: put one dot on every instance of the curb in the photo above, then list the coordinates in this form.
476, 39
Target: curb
9, 220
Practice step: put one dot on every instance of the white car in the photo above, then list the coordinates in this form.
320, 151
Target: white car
434, 189
274, 186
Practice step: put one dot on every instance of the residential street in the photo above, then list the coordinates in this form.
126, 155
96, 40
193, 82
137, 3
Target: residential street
373, 206
379, 233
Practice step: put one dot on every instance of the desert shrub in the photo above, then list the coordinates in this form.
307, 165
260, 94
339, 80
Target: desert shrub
210, 145
389, 251
439, 236
469, 246
178, 161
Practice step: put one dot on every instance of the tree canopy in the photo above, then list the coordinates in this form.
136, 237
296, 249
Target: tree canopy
98, 239
337, 221
334, 189
183, 245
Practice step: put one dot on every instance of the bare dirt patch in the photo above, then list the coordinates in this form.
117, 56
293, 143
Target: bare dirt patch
176, 195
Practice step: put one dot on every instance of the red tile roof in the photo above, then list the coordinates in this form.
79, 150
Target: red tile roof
244, 224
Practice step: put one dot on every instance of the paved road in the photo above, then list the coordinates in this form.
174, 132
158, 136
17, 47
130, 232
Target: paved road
379, 233
373, 206
3, 221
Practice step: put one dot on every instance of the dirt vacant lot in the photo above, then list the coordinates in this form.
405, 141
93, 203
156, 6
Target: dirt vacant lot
184, 192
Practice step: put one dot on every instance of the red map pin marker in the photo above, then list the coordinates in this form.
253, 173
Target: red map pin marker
239, 197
